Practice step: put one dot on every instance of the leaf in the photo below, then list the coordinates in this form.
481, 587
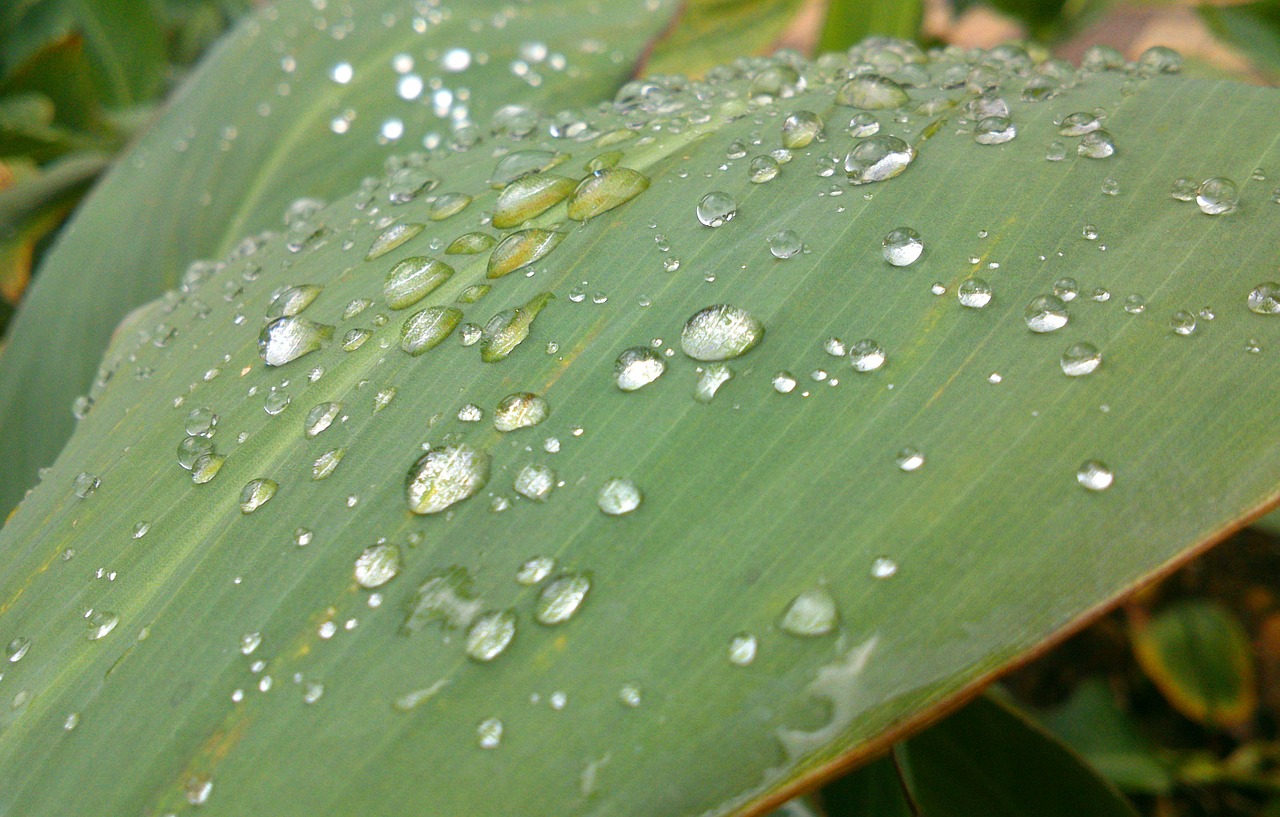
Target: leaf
1093, 725
224, 163
872, 790
711, 32
772, 596
1200, 658
850, 21
990, 759
60, 73
122, 40
1254, 28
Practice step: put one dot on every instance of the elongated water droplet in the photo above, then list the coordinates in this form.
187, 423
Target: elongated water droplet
326, 463
206, 467
872, 92
716, 208
256, 493
489, 733
509, 328
1095, 475
535, 482
392, 237
320, 418
877, 158
413, 279
490, 635
1080, 359
16, 649
101, 623
812, 613
407, 183
287, 339
742, 649
530, 196
800, 128
562, 598
292, 301
445, 475
1264, 299
519, 162
637, 367
762, 169
520, 410
355, 338
866, 356
902, 247
378, 564
1046, 313
1217, 195
910, 459
720, 332
520, 249
425, 330
1078, 124
604, 190
448, 205
713, 376
85, 484
470, 244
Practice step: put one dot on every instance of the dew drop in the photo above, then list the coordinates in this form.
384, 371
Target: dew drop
445, 475
800, 128
742, 649
1080, 359
16, 649
392, 237
535, 482
413, 279
872, 92
637, 367
619, 496
1095, 475
490, 635
1182, 322
489, 733
85, 484
785, 244
762, 169
377, 564
1217, 195
520, 410
534, 570
1046, 313
902, 247
287, 339
326, 463
101, 623
530, 196
877, 158
974, 293
520, 249
1096, 145
256, 493
470, 244
812, 613
994, 130
716, 208
909, 459
425, 330
1264, 299
562, 598
320, 418
784, 382
604, 190
866, 356
720, 332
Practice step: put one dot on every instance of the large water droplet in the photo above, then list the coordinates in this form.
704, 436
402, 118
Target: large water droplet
800, 128
716, 208
604, 190
720, 332
85, 484
637, 367
16, 649
287, 339
425, 330
1217, 195
445, 475
508, 329
327, 463
520, 410
256, 493
1096, 145
1265, 298
490, 635
561, 598
994, 130
1095, 475
520, 249
1182, 322
619, 496
320, 418
413, 279
1080, 359
1046, 313
292, 301
206, 467
974, 293
872, 92
470, 244
866, 356
1078, 124
448, 205
762, 169
877, 158
392, 237
812, 613
535, 482
378, 564
530, 196
785, 244
902, 247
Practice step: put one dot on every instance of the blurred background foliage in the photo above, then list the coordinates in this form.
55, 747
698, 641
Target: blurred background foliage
1174, 699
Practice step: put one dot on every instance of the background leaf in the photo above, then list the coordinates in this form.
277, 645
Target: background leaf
941, 575
849, 21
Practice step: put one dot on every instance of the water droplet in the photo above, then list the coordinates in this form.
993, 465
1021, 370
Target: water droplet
140, 529
383, 398
909, 459
287, 339
716, 208
520, 410
785, 244
834, 347
604, 190
1090, 232
1078, 124
425, 330
883, 568
392, 237
447, 597
812, 613
198, 789
1182, 322
470, 244
256, 493
974, 293
101, 623
877, 158
355, 338
413, 279
1080, 359
902, 247
535, 570
530, 196
1046, 313
742, 649
784, 383
508, 329
1096, 145
1066, 288
872, 92
1110, 187
320, 418
1183, 189
1159, 59
712, 377
630, 695
1265, 298
71, 722
519, 162
16, 649
1134, 304
489, 733
448, 205
994, 130
1217, 195
535, 482
490, 634
250, 642
1095, 475
206, 467
292, 301
800, 128
85, 484
445, 475
1056, 151
762, 169
619, 496
326, 463
377, 564
866, 356
191, 449
561, 598
637, 367
312, 692
520, 249
720, 332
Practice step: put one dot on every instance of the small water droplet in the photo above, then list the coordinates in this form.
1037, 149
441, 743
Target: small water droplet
561, 598
520, 410
974, 293
1078, 124
85, 484
716, 208
16, 649
909, 459
710, 379
1066, 289
535, 482
413, 279
326, 463
619, 496
637, 367
994, 130
520, 249
866, 356
604, 190
1080, 359
256, 493
392, 237
1217, 195
1096, 145
762, 169
534, 570
470, 244
1046, 313
1182, 322
490, 635
877, 158
630, 695
800, 128
1095, 475
320, 417
425, 330
872, 92
489, 733
812, 613
883, 568
902, 247
377, 564
199, 788
287, 339
742, 649
101, 623
206, 467
1134, 304
784, 382
250, 642
785, 244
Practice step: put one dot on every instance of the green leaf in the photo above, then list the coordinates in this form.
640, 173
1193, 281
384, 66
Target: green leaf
1094, 726
990, 759
1198, 654
1254, 28
872, 790
254, 131
122, 39
850, 21
698, 508
60, 72
711, 32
